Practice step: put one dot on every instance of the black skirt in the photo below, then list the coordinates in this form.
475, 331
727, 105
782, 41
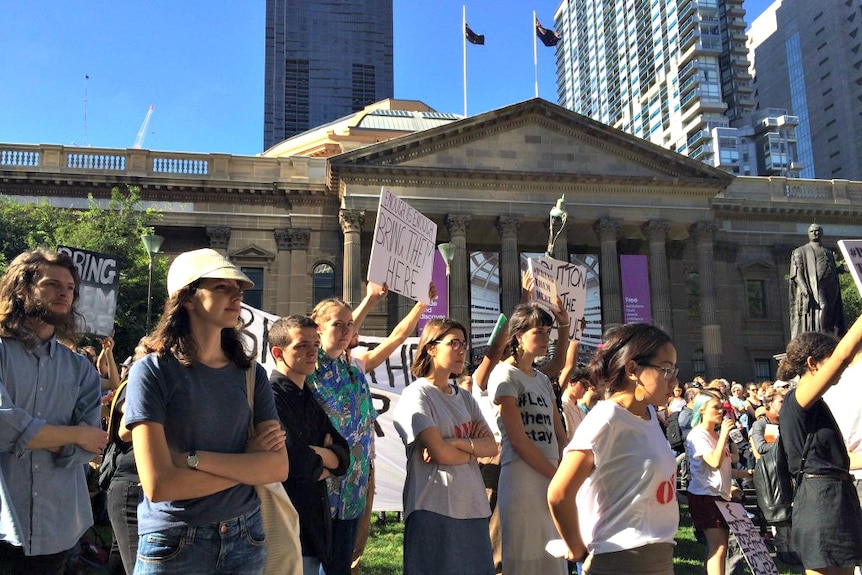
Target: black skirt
827, 523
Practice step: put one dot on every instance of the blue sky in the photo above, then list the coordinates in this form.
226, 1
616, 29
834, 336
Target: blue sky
200, 64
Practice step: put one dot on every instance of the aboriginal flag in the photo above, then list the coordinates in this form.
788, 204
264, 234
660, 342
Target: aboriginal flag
548, 37
472, 37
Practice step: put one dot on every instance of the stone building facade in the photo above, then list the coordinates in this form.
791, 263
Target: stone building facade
717, 246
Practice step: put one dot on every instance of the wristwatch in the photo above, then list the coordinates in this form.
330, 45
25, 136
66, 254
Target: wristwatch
192, 460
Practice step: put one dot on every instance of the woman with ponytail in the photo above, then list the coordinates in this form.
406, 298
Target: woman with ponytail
532, 436
826, 526
613, 499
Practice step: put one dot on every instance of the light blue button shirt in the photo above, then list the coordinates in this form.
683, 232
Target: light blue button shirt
44, 502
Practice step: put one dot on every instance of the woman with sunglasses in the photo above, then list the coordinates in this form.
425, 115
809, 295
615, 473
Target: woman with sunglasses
532, 435
445, 508
613, 499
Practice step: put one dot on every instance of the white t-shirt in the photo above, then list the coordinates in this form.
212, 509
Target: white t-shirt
629, 500
489, 410
535, 398
845, 402
703, 479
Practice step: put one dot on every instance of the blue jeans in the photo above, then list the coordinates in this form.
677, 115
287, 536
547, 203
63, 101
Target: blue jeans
233, 546
343, 540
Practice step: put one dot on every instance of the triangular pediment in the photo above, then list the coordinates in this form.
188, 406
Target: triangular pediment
530, 140
252, 252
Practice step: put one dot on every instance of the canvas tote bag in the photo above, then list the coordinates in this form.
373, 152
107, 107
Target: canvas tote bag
280, 520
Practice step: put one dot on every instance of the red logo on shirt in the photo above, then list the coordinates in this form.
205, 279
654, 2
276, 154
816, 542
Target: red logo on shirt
666, 490
463, 430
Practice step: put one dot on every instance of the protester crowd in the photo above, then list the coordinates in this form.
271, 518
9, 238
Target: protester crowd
531, 464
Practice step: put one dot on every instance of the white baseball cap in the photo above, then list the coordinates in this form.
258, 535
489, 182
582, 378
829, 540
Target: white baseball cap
189, 267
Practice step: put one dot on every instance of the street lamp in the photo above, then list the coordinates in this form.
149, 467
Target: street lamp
558, 217
152, 243
448, 252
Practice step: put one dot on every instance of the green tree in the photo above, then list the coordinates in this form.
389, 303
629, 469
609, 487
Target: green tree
850, 297
114, 229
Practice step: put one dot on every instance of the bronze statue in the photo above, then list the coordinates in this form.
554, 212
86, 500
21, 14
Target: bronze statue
815, 295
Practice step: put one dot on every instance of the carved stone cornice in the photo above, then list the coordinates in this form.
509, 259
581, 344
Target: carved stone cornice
351, 220
655, 230
703, 232
457, 224
219, 236
292, 238
606, 229
508, 226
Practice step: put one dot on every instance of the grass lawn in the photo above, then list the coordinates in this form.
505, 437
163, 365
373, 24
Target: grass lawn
383, 554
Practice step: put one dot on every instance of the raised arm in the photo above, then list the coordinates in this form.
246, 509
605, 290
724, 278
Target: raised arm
571, 363
407, 326
496, 350
374, 293
106, 358
826, 375
552, 368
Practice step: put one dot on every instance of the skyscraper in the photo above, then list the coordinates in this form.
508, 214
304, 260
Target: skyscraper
807, 58
673, 72
324, 59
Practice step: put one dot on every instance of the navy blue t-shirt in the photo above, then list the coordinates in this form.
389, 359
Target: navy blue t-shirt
203, 409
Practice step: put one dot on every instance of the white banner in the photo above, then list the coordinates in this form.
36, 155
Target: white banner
852, 251
386, 383
402, 252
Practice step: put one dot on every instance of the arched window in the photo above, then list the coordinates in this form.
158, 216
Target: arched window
322, 282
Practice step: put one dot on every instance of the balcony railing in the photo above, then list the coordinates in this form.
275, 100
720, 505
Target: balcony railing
80, 161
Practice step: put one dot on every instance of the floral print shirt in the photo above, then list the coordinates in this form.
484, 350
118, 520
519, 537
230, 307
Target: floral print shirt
342, 390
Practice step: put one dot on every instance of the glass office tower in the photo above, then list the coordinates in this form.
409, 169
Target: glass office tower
324, 60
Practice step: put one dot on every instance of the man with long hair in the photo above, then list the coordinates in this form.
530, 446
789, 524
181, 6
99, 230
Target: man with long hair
49, 416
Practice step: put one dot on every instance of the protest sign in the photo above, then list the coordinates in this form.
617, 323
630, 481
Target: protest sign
544, 287
99, 286
402, 251
386, 383
852, 251
570, 284
749, 538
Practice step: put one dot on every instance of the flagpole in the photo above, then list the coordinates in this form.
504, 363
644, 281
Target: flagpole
535, 55
464, 42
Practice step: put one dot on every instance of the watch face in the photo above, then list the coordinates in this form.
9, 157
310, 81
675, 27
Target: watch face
192, 461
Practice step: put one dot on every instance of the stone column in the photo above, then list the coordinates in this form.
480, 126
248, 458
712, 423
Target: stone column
294, 287
609, 266
459, 279
704, 235
219, 237
510, 269
351, 225
656, 232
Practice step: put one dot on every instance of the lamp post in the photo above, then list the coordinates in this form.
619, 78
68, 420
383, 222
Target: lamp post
557, 224
447, 250
152, 243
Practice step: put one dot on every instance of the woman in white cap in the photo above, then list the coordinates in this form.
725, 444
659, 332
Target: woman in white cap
184, 406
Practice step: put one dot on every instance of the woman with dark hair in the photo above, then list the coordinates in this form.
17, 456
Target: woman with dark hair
826, 526
184, 405
613, 498
445, 508
532, 436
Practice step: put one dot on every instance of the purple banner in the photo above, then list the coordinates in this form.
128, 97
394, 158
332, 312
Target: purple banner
636, 296
439, 308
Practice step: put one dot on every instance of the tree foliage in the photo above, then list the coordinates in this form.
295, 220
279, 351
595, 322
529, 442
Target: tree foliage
850, 297
113, 229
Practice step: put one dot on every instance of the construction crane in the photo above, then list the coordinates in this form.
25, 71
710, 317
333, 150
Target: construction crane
142, 133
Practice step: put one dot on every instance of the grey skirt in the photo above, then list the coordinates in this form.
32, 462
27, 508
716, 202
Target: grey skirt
438, 545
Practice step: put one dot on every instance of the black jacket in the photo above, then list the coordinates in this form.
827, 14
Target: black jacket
307, 424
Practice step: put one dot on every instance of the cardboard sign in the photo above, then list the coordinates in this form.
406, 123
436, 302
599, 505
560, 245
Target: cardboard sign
402, 252
570, 284
100, 284
749, 538
545, 290
852, 251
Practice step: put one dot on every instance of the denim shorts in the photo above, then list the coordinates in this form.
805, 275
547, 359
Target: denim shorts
231, 546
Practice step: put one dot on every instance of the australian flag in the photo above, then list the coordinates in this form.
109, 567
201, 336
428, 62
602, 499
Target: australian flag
472, 37
548, 37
